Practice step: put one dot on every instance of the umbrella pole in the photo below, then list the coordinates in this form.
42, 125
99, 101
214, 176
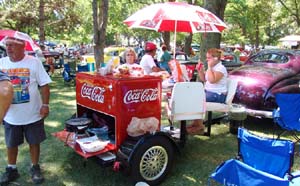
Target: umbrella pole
175, 66
175, 40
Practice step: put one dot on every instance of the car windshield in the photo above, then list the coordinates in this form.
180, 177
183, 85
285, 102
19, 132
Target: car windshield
113, 53
271, 58
180, 57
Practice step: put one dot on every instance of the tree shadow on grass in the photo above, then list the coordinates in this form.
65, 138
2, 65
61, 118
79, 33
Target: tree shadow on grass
62, 166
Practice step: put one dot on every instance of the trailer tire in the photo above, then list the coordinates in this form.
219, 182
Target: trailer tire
152, 160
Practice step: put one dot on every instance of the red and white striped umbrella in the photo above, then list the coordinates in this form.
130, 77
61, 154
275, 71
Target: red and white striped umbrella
176, 17
29, 43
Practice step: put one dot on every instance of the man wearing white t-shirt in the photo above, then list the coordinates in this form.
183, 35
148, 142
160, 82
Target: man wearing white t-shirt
25, 116
147, 61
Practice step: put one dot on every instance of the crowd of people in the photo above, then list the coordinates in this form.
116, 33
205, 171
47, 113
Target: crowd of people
214, 77
25, 94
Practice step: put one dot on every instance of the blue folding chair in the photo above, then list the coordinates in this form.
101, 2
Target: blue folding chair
260, 162
287, 116
68, 74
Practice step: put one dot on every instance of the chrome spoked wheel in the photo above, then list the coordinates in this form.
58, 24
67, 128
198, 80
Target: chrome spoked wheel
152, 160
153, 163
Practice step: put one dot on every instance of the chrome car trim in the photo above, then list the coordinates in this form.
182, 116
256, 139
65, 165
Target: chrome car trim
259, 113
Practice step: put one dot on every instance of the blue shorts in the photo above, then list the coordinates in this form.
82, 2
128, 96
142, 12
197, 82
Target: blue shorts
215, 97
34, 133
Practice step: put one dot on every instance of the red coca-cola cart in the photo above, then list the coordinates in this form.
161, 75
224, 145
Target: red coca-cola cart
116, 100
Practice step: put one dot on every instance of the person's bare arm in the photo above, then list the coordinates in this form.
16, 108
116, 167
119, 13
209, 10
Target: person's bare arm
214, 76
45, 92
156, 69
6, 96
201, 73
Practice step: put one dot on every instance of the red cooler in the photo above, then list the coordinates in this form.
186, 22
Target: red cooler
120, 98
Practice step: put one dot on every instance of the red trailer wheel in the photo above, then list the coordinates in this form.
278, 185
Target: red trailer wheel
152, 160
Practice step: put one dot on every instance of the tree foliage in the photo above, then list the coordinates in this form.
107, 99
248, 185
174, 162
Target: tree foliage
249, 21
61, 17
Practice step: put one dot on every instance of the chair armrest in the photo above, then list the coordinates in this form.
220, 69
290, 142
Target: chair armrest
276, 113
294, 178
294, 175
277, 118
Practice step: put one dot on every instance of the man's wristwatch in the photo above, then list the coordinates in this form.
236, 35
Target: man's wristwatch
45, 105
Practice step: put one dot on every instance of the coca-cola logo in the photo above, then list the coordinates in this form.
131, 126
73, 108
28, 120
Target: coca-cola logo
93, 93
141, 95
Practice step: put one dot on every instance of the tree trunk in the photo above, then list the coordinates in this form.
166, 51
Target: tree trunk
166, 38
187, 44
100, 17
166, 35
42, 22
257, 32
189, 38
212, 40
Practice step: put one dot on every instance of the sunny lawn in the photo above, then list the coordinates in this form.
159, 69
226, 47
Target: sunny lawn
63, 167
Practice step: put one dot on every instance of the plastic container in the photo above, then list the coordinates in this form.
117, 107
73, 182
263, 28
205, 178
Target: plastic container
82, 68
91, 66
101, 133
237, 112
237, 115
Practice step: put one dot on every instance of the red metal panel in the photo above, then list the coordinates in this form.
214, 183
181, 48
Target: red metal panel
96, 93
121, 98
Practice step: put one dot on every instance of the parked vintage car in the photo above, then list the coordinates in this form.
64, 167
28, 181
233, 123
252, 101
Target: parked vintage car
229, 60
51, 53
110, 53
243, 54
264, 74
2, 51
190, 64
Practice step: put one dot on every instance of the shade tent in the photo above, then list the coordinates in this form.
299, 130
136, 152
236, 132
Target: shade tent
290, 40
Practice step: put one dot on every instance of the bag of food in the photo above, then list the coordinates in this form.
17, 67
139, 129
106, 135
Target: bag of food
91, 144
140, 126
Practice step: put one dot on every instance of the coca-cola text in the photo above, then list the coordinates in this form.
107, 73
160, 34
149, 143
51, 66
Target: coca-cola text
93, 93
141, 95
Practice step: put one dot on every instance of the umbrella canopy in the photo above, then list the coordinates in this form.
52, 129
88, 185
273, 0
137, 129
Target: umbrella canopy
29, 43
175, 17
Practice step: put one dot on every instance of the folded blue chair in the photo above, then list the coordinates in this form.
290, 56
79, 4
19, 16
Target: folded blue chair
287, 116
261, 162
68, 74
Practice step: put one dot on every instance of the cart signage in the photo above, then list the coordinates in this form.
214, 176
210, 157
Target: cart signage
141, 95
94, 93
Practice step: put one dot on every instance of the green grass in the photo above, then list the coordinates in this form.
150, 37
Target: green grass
63, 167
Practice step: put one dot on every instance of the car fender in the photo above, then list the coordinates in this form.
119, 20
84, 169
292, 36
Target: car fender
286, 85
